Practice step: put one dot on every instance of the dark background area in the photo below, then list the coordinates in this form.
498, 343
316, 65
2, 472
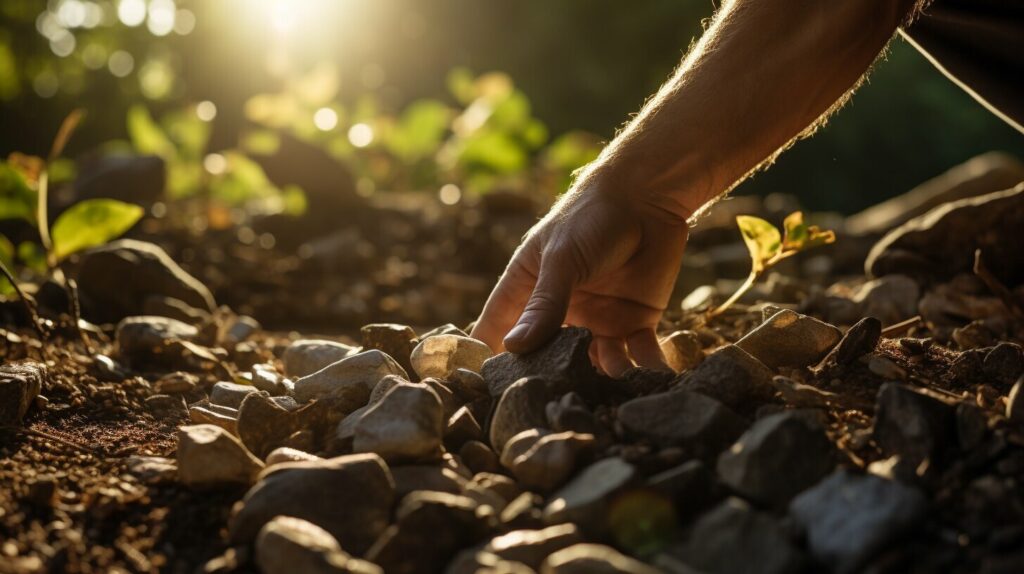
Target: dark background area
585, 64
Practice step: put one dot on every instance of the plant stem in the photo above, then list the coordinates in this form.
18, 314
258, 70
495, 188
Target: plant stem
29, 307
751, 279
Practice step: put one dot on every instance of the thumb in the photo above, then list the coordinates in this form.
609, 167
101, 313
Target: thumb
546, 309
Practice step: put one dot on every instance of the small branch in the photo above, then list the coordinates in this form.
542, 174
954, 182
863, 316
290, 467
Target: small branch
52, 437
76, 312
901, 327
29, 305
751, 279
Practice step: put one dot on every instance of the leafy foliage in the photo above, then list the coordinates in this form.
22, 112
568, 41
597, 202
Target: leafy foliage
90, 223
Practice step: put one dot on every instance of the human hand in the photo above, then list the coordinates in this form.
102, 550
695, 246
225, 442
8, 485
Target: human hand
599, 260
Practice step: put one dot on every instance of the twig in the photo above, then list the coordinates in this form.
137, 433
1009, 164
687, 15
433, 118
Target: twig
901, 327
76, 312
51, 437
29, 305
996, 286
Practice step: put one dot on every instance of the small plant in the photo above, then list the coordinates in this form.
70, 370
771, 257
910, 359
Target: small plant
24, 187
768, 246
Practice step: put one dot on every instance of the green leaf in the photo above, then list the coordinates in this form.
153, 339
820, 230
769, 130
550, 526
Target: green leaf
31, 254
460, 85
146, 135
7, 257
90, 223
800, 236
762, 238
17, 199
420, 130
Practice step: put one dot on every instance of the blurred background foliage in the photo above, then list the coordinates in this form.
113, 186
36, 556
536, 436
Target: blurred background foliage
446, 96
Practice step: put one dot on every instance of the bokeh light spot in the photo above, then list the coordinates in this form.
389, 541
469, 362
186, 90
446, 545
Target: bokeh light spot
450, 194
131, 12
162, 14
215, 163
325, 119
121, 63
184, 22
360, 135
206, 110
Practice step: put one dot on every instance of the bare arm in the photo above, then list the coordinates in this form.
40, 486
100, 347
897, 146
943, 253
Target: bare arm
606, 255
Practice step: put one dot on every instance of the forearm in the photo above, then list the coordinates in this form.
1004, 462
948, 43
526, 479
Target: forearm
763, 73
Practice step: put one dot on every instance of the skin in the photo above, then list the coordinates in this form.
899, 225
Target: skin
606, 256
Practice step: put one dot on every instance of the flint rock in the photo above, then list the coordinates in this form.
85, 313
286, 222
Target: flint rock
431, 527
682, 418
441, 355
107, 297
593, 559
913, 423
520, 408
210, 456
942, 242
348, 381
849, 518
564, 362
780, 456
20, 384
406, 425
287, 544
348, 496
307, 356
789, 339
734, 538
585, 499
733, 377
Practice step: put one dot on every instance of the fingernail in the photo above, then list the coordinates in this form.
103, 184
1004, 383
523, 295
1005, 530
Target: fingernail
518, 332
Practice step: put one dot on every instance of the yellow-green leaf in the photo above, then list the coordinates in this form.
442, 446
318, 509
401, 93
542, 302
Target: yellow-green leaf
146, 135
90, 223
7, 257
795, 231
762, 238
17, 199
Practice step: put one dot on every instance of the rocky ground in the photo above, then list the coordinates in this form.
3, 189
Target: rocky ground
843, 421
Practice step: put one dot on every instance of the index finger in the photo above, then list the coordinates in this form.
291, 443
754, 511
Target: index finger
504, 305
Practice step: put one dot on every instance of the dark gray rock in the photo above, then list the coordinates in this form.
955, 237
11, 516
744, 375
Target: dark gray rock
532, 547
682, 418
780, 456
942, 242
431, 527
859, 340
426, 477
849, 518
1004, 363
170, 407
20, 384
349, 496
789, 339
733, 377
586, 498
145, 339
230, 394
691, 486
564, 362
889, 299
397, 341
551, 460
108, 297
520, 408
736, 539
913, 423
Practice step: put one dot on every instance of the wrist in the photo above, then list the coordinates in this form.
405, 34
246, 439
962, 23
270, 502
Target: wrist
673, 198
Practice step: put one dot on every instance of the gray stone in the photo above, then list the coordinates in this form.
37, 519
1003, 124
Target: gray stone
205, 414
735, 539
593, 559
350, 380
431, 527
691, 486
859, 340
266, 378
467, 384
520, 408
241, 328
287, 544
462, 427
264, 425
20, 384
780, 456
107, 297
564, 362
307, 356
152, 469
406, 425
429, 477
733, 377
850, 518
167, 406
682, 418
210, 456
230, 394
178, 382
789, 339
349, 496
942, 242
682, 350
913, 423
288, 454
551, 460
441, 355
479, 457
889, 299
585, 500
141, 339
1004, 363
